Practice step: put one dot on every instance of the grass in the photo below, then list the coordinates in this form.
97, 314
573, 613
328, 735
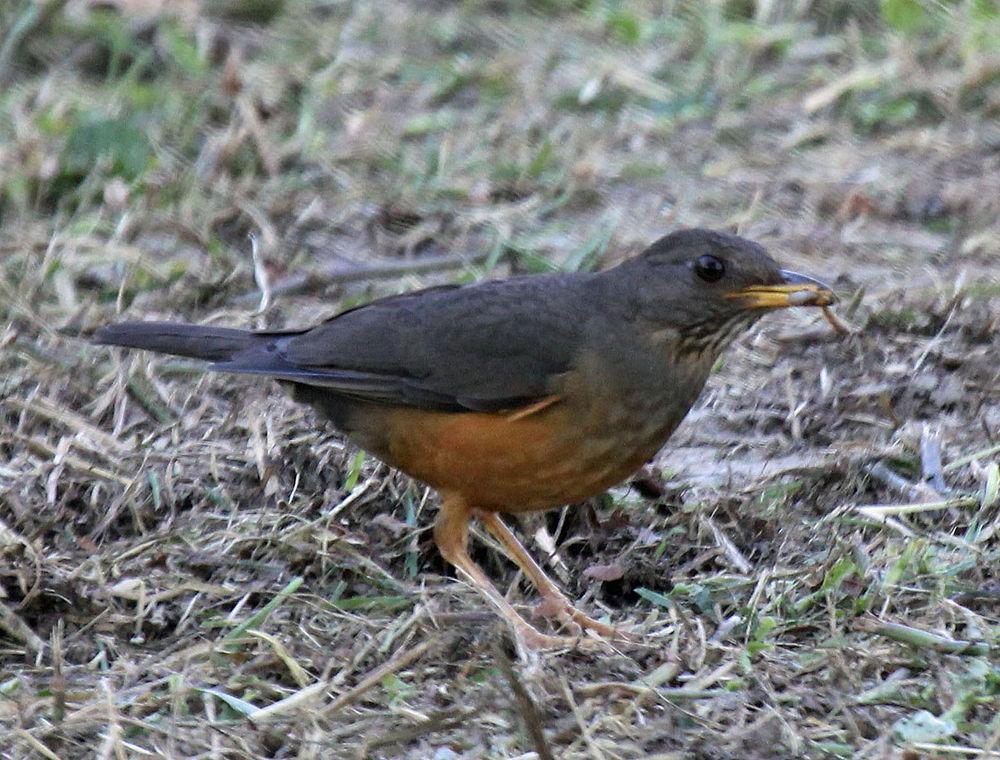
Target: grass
193, 567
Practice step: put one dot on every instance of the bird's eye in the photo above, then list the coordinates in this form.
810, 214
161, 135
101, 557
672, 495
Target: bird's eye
709, 268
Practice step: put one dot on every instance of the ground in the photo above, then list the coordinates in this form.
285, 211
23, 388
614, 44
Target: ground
193, 566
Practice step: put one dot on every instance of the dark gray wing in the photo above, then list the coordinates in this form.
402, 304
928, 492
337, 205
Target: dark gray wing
484, 347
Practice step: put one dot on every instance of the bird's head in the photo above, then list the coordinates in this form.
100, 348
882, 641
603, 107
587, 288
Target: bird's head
709, 286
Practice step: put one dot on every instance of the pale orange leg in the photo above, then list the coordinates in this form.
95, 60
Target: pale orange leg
451, 533
546, 587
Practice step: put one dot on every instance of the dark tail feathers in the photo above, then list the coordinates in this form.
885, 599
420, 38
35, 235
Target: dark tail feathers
217, 344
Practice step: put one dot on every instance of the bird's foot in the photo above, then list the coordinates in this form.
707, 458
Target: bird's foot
560, 608
532, 639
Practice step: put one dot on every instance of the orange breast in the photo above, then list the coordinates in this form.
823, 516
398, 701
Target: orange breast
502, 462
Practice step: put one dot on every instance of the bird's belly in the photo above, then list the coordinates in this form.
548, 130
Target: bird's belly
498, 461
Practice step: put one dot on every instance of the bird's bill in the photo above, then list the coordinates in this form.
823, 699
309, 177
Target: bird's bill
796, 290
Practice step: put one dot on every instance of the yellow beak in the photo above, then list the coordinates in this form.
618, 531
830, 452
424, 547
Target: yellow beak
796, 290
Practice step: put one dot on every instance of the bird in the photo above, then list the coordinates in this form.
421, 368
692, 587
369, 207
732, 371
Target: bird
515, 395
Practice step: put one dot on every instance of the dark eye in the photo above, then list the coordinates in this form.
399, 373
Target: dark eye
709, 268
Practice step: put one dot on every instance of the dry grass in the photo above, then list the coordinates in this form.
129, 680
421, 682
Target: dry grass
191, 566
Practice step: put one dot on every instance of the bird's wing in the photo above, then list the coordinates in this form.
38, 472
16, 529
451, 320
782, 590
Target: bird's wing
487, 347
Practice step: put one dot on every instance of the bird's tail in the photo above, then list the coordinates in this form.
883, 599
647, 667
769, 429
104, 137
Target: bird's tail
216, 344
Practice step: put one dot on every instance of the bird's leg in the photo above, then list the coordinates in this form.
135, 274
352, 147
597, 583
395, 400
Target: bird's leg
549, 591
451, 533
